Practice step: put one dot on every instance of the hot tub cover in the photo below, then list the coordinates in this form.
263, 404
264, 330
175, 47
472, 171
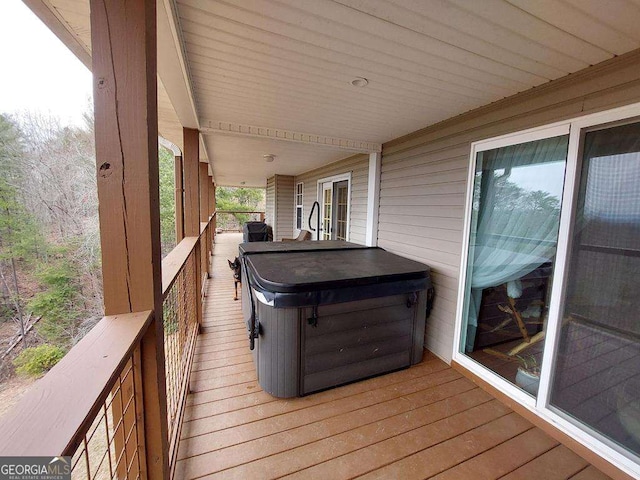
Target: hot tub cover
328, 275
261, 247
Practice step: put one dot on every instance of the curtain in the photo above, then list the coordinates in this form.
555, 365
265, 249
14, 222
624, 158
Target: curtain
515, 221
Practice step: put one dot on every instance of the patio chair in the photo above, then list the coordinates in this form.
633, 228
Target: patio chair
302, 237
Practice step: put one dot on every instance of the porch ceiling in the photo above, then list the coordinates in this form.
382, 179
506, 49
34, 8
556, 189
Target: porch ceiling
288, 65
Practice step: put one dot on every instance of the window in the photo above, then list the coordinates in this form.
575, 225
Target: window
299, 211
548, 305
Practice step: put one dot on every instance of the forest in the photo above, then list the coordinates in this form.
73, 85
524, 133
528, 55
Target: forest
50, 264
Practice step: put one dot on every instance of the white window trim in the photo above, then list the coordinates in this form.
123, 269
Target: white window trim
295, 208
540, 406
337, 178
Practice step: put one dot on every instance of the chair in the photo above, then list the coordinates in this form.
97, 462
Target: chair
302, 237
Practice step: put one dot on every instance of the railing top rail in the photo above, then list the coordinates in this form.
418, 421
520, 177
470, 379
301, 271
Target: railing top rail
174, 261
176, 258
53, 416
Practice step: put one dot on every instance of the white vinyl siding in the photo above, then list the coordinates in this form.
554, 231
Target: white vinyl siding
270, 202
358, 165
424, 174
284, 214
280, 197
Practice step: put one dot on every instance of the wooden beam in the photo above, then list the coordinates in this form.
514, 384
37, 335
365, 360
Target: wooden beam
212, 210
179, 199
123, 38
191, 169
212, 196
203, 178
191, 180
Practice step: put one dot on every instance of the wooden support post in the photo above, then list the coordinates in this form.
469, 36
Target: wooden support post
123, 38
212, 209
179, 200
204, 192
203, 177
191, 182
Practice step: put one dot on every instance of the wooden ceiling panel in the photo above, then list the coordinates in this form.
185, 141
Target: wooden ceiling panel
288, 64
248, 165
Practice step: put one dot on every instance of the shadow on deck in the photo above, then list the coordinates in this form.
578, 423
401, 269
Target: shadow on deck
423, 422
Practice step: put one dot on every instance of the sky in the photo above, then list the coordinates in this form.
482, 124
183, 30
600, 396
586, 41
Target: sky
37, 71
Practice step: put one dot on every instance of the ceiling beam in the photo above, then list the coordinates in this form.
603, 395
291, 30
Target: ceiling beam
227, 128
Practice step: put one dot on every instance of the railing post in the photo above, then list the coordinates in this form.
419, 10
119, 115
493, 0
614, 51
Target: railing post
123, 38
191, 168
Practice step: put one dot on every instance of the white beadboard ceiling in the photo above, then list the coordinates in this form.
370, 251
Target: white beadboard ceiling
288, 65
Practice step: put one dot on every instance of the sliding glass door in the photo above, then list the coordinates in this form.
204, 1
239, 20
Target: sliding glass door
596, 378
549, 310
515, 217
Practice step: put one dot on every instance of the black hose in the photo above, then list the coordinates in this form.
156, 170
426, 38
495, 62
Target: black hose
252, 322
315, 204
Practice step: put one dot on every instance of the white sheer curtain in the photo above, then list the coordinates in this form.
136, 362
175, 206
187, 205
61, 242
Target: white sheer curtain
514, 224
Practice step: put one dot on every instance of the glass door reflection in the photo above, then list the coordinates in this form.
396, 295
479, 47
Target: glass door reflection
512, 245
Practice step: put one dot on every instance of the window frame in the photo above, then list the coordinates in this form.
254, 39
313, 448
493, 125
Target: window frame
299, 205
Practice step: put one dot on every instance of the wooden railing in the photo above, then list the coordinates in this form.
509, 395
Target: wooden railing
89, 406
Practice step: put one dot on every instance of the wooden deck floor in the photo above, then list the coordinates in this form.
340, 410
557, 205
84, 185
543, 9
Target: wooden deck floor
424, 422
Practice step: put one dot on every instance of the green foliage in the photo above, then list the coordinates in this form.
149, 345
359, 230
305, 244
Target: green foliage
19, 236
58, 303
35, 361
238, 199
167, 200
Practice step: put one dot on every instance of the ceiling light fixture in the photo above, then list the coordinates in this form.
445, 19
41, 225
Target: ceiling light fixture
359, 82
269, 157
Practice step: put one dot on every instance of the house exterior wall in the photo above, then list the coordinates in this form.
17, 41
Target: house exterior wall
284, 210
358, 165
424, 174
270, 202
279, 212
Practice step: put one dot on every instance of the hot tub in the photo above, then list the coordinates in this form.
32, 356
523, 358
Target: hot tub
328, 313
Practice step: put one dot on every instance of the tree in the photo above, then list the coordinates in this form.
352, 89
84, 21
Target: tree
167, 200
238, 199
18, 234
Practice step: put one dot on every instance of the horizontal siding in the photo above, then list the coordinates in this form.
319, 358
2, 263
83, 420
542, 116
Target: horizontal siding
284, 207
423, 175
270, 202
358, 165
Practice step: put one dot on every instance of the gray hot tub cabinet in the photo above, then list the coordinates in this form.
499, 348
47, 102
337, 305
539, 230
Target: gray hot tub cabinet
333, 314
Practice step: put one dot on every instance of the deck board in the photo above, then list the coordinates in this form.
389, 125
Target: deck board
423, 422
